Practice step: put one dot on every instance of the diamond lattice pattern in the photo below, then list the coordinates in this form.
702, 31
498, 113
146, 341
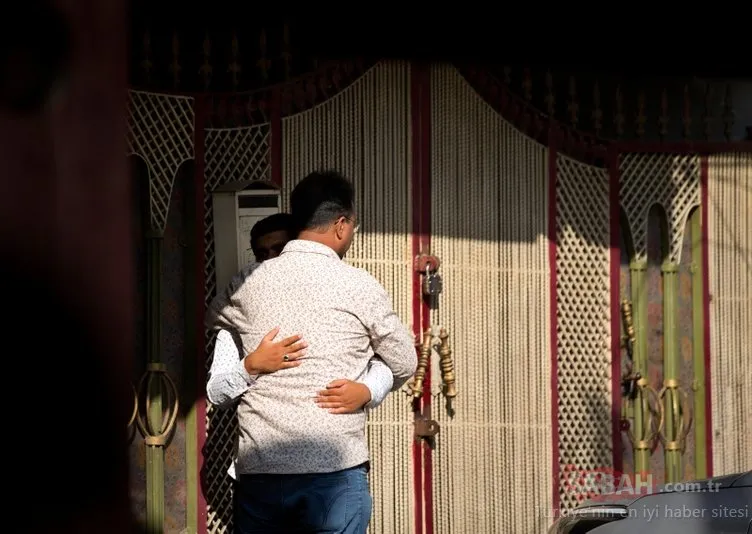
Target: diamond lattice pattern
160, 130
672, 181
231, 154
583, 319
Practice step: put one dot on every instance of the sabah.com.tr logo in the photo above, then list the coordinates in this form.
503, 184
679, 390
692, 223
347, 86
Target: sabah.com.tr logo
589, 484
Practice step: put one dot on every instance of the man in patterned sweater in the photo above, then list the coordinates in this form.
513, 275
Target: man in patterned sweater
268, 238
302, 468
230, 374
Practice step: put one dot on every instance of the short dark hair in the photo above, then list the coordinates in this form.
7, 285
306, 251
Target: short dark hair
321, 198
273, 223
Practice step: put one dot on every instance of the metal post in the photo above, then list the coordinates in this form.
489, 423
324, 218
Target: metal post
190, 380
670, 392
677, 408
698, 347
641, 437
154, 454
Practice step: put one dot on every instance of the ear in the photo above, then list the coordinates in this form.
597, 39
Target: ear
339, 228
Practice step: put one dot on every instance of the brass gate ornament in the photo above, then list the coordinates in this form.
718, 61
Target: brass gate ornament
638, 391
681, 412
449, 387
446, 364
157, 437
134, 413
416, 384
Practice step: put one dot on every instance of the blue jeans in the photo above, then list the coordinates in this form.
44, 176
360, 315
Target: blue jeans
318, 503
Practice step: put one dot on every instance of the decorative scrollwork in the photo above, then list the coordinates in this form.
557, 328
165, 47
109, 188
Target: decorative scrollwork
157, 437
681, 415
653, 420
134, 413
645, 400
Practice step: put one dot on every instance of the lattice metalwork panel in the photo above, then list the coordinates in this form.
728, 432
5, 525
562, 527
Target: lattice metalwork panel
231, 154
364, 132
730, 277
672, 181
489, 229
583, 320
160, 130
237, 154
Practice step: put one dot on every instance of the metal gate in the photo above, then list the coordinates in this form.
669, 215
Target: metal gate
495, 306
522, 219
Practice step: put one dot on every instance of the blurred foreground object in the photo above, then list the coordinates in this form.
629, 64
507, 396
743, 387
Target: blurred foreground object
66, 264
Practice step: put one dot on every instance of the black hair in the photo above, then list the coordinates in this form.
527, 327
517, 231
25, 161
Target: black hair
320, 199
273, 223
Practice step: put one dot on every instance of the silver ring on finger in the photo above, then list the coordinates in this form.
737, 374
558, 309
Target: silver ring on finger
286, 358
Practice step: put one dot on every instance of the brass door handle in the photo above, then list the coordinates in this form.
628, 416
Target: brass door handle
446, 364
449, 386
416, 384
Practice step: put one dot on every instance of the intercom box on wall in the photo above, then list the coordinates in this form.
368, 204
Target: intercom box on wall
237, 207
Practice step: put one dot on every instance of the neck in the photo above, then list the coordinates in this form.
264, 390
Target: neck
325, 238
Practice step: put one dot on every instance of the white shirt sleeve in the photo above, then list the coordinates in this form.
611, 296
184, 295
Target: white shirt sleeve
379, 379
228, 378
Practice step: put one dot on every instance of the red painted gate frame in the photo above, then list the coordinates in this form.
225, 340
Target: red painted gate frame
286, 99
420, 89
588, 149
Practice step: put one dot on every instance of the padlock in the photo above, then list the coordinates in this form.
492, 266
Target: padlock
432, 283
426, 428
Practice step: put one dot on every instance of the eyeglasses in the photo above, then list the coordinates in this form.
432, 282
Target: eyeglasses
356, 224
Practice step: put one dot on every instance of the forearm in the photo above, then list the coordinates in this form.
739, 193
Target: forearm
228, 378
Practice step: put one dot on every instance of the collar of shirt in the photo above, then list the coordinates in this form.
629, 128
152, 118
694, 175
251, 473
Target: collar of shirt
309, 247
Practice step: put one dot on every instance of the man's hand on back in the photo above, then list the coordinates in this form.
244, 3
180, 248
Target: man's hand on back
344, 396
270, 356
